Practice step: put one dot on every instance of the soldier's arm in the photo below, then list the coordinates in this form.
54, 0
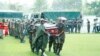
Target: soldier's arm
44, 30
63, 27
61, 32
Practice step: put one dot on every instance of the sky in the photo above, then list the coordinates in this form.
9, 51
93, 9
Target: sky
29, 3
18, 1
89, 1
22, 2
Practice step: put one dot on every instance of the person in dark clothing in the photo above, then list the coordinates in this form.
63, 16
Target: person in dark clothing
41, 38
79, 25
75, 25
31, 32
51, 42
16, 30
61, 36
88, 26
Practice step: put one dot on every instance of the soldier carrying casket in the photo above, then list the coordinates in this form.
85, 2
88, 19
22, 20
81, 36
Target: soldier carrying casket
61, 36
41, 38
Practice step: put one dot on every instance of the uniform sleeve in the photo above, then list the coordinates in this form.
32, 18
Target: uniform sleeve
43, 28
60, 26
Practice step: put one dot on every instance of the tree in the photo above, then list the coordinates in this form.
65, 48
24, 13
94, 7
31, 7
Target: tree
40, 5
67, 4
94, 8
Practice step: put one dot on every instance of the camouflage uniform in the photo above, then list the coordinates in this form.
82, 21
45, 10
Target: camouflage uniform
60, 39
31, 31
21, 29
41, 39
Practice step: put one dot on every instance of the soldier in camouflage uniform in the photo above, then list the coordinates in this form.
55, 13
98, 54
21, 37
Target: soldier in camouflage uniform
61, 37
31, 31
75, 25
21, 29
79, 25
16, 30
41, 38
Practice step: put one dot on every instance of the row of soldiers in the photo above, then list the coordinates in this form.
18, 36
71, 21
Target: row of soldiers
20, 28
96, 26
74, 26
17, 29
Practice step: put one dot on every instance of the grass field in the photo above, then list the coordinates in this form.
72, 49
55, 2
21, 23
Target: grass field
75, 45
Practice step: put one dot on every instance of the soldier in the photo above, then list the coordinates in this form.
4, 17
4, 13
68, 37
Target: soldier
9, 26
51, 42
31, 31
41, 38
97, 25
75, 25
69, 26
94, 26
79, 25
16, 30
61, 36
21, 29
88, 26
13, 28
30, 35
72, 25
23, 32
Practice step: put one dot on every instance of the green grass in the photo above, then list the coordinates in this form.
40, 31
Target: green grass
75, 45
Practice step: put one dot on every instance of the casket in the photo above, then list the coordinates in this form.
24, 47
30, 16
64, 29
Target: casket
51, 28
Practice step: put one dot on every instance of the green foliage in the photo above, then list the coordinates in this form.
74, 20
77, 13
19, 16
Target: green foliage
67, 5
40, 5
94, 8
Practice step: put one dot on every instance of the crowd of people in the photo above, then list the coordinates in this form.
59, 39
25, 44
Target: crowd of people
74, 26
16, 29
42, 37
38, 36
96, 26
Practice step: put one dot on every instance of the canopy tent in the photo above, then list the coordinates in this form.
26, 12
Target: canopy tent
68, 15
11, 14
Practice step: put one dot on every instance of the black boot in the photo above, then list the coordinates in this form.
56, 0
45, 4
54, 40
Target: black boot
37, 51
58, 52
